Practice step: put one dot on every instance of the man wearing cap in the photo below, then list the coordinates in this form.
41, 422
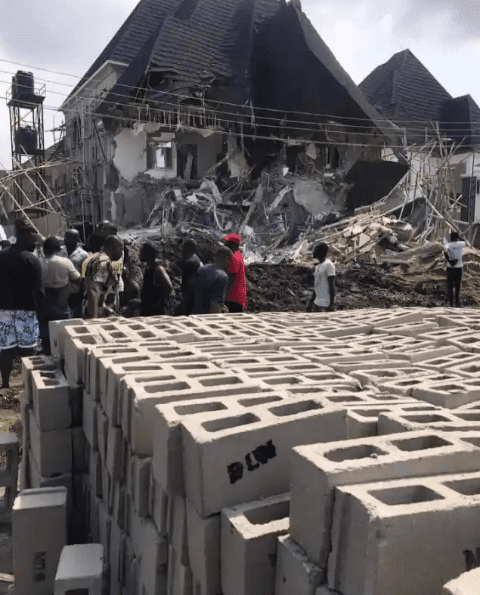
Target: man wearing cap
236, 299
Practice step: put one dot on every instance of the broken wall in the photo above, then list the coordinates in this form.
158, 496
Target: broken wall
209, 148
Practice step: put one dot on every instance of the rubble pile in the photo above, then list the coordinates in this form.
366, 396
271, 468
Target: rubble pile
379, 260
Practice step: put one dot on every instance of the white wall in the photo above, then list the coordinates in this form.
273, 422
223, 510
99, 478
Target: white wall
130, 153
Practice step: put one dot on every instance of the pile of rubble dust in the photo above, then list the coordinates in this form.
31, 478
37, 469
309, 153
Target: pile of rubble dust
288, 285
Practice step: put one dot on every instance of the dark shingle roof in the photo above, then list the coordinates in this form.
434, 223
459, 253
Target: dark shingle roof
145, 18
236, 50
461, 117
404, 90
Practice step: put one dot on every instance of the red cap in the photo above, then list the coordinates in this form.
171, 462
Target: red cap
233, 237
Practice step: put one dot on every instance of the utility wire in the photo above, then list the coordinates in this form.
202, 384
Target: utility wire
214, 102
290, 126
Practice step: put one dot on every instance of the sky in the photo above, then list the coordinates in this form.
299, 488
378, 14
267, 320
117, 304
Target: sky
66, 36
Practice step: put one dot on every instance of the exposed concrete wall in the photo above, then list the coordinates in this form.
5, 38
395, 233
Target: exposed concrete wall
130, 153
208, 149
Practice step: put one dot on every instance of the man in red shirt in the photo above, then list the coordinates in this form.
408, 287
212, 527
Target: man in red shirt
236, 299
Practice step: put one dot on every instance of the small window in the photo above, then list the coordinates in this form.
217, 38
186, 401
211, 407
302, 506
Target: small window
161, 155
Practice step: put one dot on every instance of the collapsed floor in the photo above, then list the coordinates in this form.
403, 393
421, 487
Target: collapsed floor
174, 438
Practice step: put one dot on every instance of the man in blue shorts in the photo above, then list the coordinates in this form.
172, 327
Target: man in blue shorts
20, 295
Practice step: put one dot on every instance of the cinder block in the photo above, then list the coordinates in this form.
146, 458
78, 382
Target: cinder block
117, 540
469, 367
79, 451
144, 396
104, 527
443, 334
119, 505
295, 573
77, 340
253, 451
57, 336
76, 404
93, 517
95, 373
467, 583
51, 400
160, 508
179, 576
63, 480
95, 474
141, 484
35, 362
317, 469
421, 352
143, 364
80, 568
378, 376
432, 522
378, 362
447, 394
393, 422
392, 318
90, 420
52, 450
408, 330
131, 568
204, 551
249, 545
178, 537
275, 358
469, 342
114, 458
102, 433
36, 553
9, 449
449, 363
152, 553
363, 421
167, 439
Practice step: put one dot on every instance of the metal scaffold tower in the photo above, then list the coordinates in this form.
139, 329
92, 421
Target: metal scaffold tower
27, 136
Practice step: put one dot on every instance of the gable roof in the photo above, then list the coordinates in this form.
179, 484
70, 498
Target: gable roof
182, 48
404, 90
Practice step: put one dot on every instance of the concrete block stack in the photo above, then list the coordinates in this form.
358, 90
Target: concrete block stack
242, 454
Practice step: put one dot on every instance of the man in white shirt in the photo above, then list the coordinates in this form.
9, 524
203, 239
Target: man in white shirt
323, 298
454, 257
57, 274
74, 252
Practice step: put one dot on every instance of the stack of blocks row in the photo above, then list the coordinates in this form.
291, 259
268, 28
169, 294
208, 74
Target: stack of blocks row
266, 454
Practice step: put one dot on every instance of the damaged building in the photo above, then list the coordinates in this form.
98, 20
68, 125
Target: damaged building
228, 105
441, 134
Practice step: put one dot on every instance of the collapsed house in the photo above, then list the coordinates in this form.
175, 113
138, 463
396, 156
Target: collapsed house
441, 136
214, 108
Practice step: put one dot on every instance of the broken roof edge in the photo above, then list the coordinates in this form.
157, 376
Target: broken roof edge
323, 53
64, 107
132, 75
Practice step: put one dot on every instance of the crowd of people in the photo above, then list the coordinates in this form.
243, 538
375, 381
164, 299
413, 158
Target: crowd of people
67, 280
